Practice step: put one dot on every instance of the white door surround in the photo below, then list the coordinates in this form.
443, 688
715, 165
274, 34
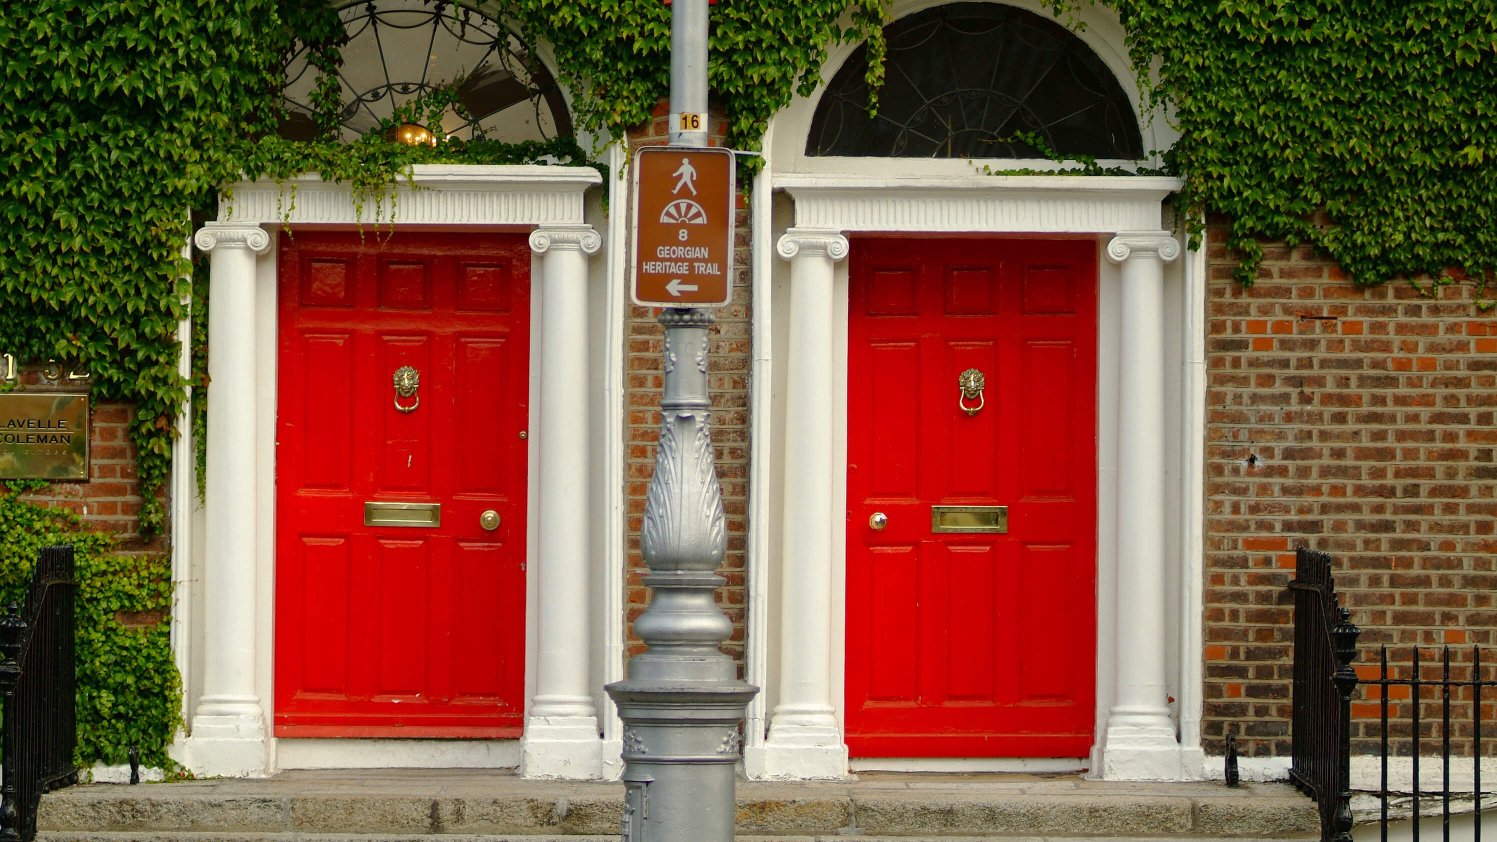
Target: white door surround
809, 211
1147, 490
228, 668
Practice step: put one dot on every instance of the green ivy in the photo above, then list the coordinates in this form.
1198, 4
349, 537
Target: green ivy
120, 117
1365, 128
761, 52
129, 693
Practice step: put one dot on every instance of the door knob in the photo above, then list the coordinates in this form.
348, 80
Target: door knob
878, 521
489, 520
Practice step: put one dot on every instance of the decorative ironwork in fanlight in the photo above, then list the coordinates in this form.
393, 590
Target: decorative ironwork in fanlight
399, 51
964, 80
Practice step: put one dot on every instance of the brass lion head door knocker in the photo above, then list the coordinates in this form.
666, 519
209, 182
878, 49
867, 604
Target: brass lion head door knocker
407, 382
971, 383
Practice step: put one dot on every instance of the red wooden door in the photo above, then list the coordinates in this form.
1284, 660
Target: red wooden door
971, 644
387, 630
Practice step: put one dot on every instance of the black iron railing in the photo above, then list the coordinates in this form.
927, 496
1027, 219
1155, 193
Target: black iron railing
1461, 691
1325, 642
37, 680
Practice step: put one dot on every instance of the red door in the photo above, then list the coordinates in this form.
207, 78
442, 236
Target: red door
398, 612
971, 643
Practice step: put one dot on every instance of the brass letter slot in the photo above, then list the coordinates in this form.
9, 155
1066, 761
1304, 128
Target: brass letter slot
969, 519
402, 514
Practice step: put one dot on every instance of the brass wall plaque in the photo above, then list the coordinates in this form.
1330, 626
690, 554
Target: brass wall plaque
428, 515
43, 436
969, 519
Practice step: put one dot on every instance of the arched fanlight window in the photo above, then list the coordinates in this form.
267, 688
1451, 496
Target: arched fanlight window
962, 80
401, 50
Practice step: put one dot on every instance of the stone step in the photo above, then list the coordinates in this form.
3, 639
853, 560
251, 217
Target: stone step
187, 836
450, 806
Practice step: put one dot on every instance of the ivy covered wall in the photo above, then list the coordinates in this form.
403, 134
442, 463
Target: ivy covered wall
1383, 116
123, 116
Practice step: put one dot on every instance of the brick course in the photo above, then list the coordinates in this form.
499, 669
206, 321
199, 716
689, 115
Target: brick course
1359, 422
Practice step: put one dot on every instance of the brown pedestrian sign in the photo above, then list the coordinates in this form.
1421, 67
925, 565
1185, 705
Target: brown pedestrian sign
683, 226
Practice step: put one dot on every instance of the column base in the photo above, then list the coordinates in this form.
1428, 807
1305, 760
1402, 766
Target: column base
227, 745
1140, 745
612, 759
561, 747
802, 745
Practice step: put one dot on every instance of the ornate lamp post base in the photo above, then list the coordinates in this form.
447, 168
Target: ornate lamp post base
681, 748
682, 701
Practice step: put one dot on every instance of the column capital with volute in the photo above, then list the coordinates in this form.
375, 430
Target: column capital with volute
232, 235
583, 238
1128, 245
796, 242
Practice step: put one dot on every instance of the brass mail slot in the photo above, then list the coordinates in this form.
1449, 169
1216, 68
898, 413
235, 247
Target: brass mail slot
428, 515
969, 518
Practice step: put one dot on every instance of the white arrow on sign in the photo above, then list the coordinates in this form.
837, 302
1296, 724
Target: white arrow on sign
675, 287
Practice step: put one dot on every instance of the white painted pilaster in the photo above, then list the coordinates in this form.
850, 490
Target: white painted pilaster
228, 735
561, 728
1139, 741
805, 739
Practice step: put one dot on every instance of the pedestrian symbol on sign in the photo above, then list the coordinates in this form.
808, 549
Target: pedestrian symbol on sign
686, 177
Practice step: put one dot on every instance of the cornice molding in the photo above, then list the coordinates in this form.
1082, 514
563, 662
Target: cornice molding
435, 194
978, 204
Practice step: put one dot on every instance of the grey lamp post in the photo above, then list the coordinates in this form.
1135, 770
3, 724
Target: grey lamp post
682, 701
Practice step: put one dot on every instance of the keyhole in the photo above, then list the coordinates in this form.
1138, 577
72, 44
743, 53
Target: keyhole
408, 458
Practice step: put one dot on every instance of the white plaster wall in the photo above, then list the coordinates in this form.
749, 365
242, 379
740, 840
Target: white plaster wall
608, 319
266, 394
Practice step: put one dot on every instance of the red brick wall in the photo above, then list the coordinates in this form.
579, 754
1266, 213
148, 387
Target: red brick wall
730, 351
1358, 422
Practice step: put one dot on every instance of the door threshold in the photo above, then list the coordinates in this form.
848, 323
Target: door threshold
318, 753
965, 765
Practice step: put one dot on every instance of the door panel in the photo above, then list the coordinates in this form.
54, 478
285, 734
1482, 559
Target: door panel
401, 630
971, 644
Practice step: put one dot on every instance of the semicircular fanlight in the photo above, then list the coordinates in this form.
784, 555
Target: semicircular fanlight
399, 51
970, 80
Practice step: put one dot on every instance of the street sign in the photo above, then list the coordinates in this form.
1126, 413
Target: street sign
683, 226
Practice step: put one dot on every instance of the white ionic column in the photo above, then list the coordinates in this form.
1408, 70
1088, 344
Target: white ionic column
561, 726
805, 739
228, 736
1140, 742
